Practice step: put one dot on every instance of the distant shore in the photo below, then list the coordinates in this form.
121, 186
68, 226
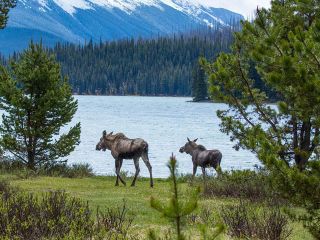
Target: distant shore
175, 96
128, 95
202, 101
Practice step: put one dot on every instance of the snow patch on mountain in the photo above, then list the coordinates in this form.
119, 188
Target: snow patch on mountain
195, 7
172, 4
70, 6
125, 5
78, 21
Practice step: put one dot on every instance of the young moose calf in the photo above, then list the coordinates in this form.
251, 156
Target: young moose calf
121, 148
201, 157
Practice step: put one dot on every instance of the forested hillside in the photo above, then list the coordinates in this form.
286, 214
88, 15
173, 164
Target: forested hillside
161, 66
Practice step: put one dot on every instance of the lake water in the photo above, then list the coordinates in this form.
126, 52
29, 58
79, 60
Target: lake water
164, 122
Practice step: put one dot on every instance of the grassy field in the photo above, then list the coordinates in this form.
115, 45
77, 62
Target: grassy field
100, 191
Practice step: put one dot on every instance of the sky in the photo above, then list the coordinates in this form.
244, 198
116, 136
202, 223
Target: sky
244, 7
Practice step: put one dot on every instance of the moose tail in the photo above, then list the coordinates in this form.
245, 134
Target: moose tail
145, 147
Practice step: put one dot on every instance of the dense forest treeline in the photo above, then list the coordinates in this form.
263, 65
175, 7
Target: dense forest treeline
163, 66
152, 67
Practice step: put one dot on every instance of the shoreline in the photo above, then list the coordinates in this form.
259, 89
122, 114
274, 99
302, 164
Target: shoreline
101, 95
157, 96
148, 96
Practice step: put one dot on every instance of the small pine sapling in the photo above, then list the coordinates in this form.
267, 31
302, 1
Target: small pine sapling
179, 208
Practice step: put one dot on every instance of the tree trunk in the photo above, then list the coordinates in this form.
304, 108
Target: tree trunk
31, 155
302, 157
31, 162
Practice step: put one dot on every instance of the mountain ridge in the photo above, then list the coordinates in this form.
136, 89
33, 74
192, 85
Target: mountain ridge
78, 21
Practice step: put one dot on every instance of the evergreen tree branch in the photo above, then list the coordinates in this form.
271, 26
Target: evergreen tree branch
263, 26
301, 39
246, 82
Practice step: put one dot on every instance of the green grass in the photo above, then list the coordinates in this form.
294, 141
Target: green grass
100, 191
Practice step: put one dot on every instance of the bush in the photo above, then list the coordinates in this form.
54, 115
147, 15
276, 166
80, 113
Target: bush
55, 170
64, 170
309, 217
6, 191
11, 166
240, 184
311, 221
301, 188
205, 216
56, 215
116, 223
266, 223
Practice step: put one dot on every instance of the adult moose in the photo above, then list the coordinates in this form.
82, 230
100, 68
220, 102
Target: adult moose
201, 157
121, 148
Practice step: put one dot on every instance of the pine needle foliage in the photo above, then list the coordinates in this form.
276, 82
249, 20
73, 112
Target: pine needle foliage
200, 83
283, 46
37, 104
179, 208
5, 6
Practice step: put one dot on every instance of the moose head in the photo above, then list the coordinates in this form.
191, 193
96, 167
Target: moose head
189, 146
103, 144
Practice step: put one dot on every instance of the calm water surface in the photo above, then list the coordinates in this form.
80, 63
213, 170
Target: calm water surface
164, 122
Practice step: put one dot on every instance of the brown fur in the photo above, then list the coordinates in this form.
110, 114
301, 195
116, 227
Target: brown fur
201, 157
121, 148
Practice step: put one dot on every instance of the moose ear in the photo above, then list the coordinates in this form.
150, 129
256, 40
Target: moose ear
104, 133
189, 140
195, 140
110, 134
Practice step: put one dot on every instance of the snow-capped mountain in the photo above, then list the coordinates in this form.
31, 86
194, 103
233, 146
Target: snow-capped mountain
78, 21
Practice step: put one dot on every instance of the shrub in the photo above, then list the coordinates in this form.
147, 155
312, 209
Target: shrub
309, 217
205, 216
11, 166
57, 216
311, 221
301, 188
54, 170
4, 187
247, 184
6, 191
245, 221
115, 223
64, 170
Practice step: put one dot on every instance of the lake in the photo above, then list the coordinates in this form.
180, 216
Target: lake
164, 122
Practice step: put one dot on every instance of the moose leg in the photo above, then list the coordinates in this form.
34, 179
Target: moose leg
136, 164
118, 168
145, 159
194, 171
120, 165
204, 174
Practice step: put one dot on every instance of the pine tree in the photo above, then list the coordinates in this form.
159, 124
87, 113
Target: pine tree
5, 6
199, 85
282, 44
37, 103
161, 66
180, 207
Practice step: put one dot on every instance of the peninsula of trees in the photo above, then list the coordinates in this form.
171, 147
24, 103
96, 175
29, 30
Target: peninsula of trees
149, 67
